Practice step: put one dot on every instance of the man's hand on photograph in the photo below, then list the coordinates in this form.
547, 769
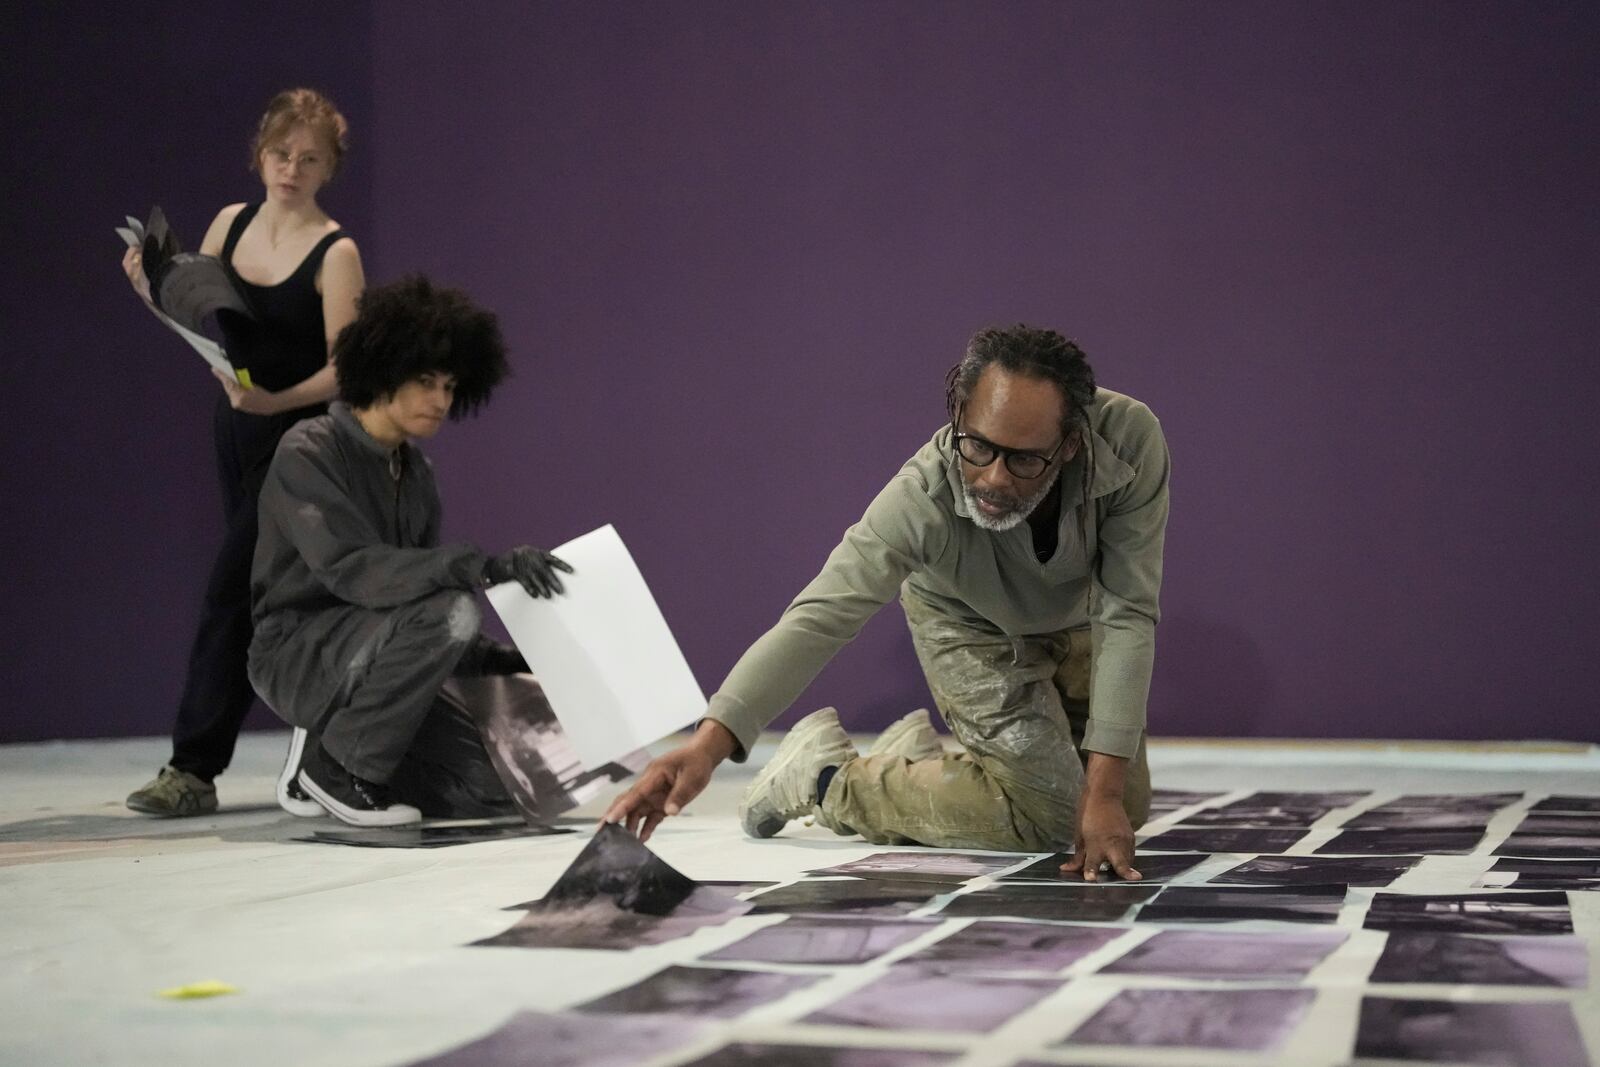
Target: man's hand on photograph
672, 780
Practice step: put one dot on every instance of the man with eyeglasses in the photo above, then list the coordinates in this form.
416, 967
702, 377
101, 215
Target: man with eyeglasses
1025, 544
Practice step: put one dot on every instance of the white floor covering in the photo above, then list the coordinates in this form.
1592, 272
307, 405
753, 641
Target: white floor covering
356, 957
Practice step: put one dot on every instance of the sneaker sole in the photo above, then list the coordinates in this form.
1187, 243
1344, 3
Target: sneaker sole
304, 809
394, 815
168, 813
770, 825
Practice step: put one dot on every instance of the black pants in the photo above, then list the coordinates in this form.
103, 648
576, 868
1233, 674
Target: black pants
216, 692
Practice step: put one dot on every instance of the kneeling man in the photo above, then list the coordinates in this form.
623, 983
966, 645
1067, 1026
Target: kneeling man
1024, 542
360, 614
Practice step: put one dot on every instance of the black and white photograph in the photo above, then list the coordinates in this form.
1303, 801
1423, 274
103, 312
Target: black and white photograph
1039, 900
564, 1039
1461, 821
1224, 839
1255, 817
1153, 866
1518, 872
1560, 824
530, 751
748, 1054
1469, 959
1003, 947
1244, 1020
877, 896
1215, 904
1441, 802
1304, 798
1542, 913
1395, 841
1363, 871
618, 895
1567, 802
1551, 845
426, 836
909, 998
1206, 954
1531, 1034
1167, 801
946, 867
823, 940
718, 992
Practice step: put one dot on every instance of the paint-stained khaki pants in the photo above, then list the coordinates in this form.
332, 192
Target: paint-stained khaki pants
1019, 707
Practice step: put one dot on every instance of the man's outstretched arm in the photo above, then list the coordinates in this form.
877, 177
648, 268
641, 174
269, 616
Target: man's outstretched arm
672, 780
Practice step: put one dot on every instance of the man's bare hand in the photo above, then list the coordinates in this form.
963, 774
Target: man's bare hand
672, 780
1105, 837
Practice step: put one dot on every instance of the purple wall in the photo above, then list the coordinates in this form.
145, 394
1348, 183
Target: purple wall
106, 468
1347, 252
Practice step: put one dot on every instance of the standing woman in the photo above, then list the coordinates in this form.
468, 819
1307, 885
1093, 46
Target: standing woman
301, 276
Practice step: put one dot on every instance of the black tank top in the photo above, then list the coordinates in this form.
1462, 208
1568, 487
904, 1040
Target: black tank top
286, 342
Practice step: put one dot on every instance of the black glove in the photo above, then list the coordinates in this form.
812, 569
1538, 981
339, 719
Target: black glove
533, 568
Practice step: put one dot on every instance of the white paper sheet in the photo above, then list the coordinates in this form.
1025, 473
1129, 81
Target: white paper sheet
609, 666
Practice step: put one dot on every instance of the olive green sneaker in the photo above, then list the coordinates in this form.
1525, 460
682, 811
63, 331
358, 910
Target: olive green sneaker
912, 737
174, 792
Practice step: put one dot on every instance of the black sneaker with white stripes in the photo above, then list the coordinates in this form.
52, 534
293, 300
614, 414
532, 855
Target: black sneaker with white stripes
349, 797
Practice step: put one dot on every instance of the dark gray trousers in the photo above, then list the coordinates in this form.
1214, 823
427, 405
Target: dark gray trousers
364, 681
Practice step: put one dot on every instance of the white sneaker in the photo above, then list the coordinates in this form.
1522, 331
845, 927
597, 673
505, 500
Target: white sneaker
786, 788
292, 798
912, 737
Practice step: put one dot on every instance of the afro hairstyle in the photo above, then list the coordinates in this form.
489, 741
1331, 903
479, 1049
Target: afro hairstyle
410, 328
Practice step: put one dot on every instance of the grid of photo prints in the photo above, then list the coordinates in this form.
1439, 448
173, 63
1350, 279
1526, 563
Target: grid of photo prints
1268, 927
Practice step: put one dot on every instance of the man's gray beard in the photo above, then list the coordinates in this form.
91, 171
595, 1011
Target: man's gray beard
1011, 518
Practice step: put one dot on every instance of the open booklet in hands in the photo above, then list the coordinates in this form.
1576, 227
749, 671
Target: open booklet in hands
185, 288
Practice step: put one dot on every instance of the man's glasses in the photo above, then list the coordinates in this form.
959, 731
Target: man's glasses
980, 453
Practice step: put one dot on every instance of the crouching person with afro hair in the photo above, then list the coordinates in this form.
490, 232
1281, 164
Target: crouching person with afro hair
361, 615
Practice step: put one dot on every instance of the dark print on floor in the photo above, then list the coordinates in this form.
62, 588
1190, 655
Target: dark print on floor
697, 992
1523, 1034
1364, 871
1568, 802
617, 895
1023, 900
425, 836
1550, 845
908, 998
1210, 904
1245, 1020
1396, 841
562, 1039
1224, 839
747, 1054
1012, 947
1460, 821
1154, 866
877, 896
950, 867
1466, 959
1522, 873
1487, 803
823, 940
1205, 954
1472, 913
